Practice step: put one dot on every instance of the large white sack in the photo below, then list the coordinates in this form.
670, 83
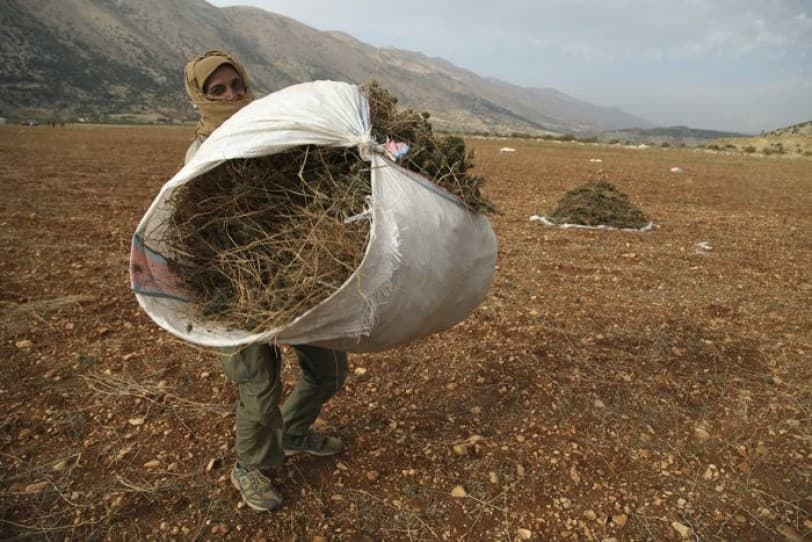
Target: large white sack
428, 264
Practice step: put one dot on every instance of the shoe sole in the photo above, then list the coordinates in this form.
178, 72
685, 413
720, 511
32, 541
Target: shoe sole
248, 504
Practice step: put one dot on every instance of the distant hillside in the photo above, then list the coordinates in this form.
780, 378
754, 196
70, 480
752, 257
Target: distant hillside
102, 59
792, 141
802, 129
673, 135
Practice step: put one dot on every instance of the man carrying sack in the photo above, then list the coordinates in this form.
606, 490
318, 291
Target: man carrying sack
218, 87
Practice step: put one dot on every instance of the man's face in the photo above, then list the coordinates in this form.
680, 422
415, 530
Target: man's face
225, 84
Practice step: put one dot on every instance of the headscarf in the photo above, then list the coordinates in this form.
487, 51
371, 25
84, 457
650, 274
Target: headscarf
213, 112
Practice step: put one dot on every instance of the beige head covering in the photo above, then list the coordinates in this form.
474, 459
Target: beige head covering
213, 112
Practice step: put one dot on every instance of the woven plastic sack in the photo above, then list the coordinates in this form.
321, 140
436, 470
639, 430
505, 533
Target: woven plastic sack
429, 261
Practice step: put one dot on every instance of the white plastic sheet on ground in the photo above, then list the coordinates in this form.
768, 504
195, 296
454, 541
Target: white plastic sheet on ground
547, 222
428, 264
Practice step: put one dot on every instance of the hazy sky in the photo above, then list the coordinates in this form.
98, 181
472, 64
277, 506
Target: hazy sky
743, 65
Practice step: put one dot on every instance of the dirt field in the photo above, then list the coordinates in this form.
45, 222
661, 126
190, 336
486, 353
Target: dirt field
613, 386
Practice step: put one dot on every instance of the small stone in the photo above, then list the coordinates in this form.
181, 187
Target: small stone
151, 464
23, 344
460, 449
36, 487
205, 374
599, 404
681, 502
684, 531
24, 433
701, 434
620, 519
136, 421
789, 534
360, 371
451, 386
524, 534
373, 475
458, 492
493, 477
590, 515
122, 452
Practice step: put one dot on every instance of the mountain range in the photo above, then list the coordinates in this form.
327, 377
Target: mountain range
98, 59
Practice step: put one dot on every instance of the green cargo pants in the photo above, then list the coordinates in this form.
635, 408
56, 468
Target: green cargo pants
260, 423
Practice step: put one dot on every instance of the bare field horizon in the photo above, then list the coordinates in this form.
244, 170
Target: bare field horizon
612, 386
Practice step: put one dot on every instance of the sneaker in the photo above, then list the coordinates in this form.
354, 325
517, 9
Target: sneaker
313, 443
256, 489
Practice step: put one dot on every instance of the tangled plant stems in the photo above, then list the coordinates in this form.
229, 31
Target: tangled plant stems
259, 241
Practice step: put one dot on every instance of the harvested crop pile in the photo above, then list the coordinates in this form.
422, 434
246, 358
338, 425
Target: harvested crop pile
443, 160
598, 203
259, 241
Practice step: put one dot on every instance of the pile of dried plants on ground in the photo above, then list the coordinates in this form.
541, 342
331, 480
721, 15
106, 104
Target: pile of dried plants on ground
598, 203
259, 241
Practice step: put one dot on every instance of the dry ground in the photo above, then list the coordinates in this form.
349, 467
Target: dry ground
613, 385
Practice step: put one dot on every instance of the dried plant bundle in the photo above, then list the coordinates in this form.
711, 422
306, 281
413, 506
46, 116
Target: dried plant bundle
598, 203
259, 241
